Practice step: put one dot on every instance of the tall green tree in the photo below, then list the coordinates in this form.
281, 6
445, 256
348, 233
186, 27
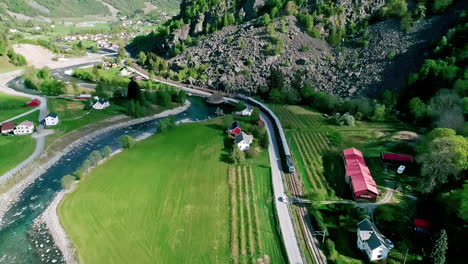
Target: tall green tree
439, 249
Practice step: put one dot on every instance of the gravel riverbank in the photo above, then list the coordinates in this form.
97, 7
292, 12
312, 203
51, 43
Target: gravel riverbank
9, 198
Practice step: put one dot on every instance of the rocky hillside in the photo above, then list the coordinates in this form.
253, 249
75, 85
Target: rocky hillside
237, 57
344, 47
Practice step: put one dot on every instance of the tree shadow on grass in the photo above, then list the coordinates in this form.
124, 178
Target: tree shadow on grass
334, 172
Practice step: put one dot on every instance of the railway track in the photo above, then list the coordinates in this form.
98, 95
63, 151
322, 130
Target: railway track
306, 227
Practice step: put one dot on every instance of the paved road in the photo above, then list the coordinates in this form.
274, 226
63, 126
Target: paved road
286, 225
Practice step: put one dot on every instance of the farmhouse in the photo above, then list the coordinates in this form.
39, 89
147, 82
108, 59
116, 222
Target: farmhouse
7, 127
396, 158
51, 120
371, 242
101, 104
33, 103
125, 72
235, 128
358, 176
24, 128
243, 141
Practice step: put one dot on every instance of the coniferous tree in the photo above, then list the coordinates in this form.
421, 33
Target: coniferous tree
437, 255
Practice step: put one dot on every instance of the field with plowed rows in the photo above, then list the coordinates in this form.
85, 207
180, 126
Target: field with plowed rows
253, 237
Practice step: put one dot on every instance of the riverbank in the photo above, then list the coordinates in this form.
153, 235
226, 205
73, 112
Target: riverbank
49, 220
11, 196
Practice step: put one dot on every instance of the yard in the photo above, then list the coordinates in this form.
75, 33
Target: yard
11, 106
13, 150
173, 204
72, 116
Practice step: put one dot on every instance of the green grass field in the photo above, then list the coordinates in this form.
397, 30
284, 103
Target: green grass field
11, 106
13, 150
170, 205
72, 116
178, 202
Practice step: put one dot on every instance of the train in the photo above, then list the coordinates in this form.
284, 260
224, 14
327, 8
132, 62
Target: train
279, 133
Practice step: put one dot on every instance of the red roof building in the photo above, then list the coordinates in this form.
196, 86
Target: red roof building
390, 157
358, 176
33, 103
7, 127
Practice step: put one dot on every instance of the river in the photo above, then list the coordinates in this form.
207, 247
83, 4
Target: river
19, 243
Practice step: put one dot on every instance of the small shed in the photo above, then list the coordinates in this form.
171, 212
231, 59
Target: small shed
33, 103
421, 225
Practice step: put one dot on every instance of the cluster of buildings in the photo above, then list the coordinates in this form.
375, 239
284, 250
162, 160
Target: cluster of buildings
363, 187
242, 140
23, 128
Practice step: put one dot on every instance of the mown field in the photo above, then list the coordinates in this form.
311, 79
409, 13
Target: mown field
11, 106
13, 150
178, 202
165, 200
254, 237
72, 116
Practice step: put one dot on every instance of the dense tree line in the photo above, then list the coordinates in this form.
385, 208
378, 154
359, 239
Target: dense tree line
41, 80
437, 93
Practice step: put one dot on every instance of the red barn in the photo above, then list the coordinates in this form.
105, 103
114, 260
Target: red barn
33, 103
358, 176
235, 128
396, 158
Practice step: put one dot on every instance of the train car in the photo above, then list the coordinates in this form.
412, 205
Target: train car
279, 133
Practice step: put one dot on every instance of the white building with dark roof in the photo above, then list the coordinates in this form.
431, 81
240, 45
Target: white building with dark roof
51, 119
372, 242
243, 141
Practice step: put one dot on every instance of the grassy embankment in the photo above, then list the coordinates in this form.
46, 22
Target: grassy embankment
316, 145
15, 149
175, 195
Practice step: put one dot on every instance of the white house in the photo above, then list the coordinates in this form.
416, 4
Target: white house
125, 72
246, 112
24, 128
243, 141
372, 242
51, 120
101, 104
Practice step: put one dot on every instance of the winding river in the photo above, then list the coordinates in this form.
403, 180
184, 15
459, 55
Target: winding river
19, 242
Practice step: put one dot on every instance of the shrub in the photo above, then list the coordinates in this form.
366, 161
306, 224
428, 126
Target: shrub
304, 48
126, 141
237, 156
264, 20
393, 8
165, 124
251, 152
67, 181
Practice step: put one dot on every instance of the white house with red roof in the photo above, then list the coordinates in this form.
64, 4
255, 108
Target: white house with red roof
358, 176
24, 128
